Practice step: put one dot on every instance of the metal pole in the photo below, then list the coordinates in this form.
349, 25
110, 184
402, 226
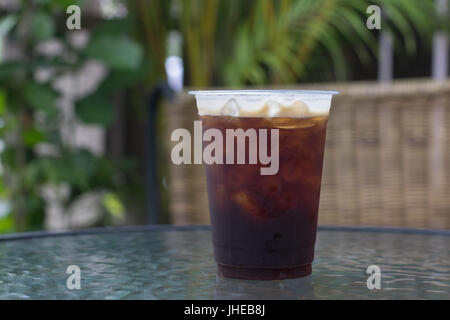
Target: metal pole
440, 47
386, 59
153, 193
385, 54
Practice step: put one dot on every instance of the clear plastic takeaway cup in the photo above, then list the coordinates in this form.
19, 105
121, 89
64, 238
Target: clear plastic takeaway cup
264, 226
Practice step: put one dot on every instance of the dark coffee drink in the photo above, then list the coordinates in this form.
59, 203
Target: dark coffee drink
264, 226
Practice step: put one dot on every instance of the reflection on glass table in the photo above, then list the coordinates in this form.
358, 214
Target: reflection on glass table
166, 262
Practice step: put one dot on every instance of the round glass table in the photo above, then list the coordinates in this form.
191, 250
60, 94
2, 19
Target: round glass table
168, 262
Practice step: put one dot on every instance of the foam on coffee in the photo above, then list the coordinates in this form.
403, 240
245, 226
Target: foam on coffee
264, 103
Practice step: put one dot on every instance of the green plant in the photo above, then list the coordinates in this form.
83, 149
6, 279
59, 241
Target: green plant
283, 41
30, 115
234, 43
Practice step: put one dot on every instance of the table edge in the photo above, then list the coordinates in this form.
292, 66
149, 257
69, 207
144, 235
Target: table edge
166, 227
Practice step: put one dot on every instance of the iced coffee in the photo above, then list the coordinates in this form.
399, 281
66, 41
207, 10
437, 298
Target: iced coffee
264, 225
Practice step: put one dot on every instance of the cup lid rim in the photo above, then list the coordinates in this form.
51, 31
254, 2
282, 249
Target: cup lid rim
261, 92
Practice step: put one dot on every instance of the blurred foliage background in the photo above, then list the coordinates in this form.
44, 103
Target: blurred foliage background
223, 43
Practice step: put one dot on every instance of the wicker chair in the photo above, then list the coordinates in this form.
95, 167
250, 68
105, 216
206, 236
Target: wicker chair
387, 157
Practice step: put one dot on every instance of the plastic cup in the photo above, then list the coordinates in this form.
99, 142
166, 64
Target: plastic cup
264, 226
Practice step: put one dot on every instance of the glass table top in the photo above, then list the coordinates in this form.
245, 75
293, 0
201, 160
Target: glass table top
177, 263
